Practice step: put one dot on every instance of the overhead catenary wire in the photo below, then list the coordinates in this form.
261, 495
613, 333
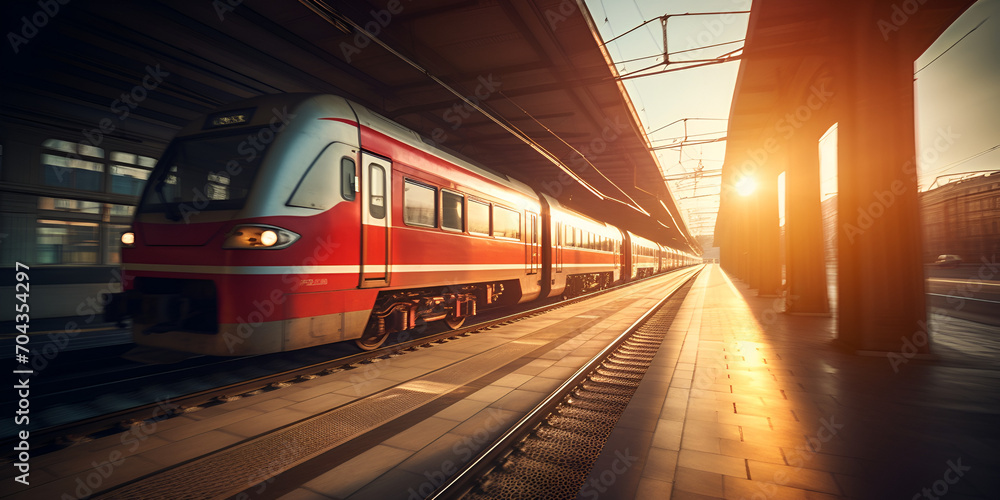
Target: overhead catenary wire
333, 17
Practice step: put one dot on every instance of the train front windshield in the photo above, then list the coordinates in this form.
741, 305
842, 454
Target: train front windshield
203, 173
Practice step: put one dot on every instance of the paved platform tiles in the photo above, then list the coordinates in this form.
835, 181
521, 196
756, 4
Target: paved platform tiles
743, 402
414, 455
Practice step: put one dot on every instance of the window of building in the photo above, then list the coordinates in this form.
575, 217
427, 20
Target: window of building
113, 239
419, 205
67, 242
452, 208
69, 205
83, 229
72, 172
129, 172
479, 217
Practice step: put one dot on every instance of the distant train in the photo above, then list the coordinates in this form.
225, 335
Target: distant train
289, 221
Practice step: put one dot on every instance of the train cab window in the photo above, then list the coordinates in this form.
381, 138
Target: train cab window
479, 217
348, 179
195, 170
376, 204
506, 223
452, 208
318, 187
419, 205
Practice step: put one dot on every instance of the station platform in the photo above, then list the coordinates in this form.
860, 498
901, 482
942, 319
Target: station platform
755, 404
741, 402
391, 429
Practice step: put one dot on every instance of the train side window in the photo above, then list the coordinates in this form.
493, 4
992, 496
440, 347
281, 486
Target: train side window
506, 223
348, 179
419, 204
376, 204
452, 208
479, 217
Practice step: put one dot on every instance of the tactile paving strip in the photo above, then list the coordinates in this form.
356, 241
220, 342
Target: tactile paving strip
555, 460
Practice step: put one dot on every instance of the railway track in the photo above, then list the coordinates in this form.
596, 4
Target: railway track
120, 386
550, 451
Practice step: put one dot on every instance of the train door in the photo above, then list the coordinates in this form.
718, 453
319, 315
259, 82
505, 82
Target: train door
531, 223
560, 236
376, 176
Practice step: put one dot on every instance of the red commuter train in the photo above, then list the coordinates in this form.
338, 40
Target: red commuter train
288, 221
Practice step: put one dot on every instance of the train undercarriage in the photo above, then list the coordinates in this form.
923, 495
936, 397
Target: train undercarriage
400, 310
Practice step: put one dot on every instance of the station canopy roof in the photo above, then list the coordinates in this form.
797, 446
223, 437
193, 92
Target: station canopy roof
536, 67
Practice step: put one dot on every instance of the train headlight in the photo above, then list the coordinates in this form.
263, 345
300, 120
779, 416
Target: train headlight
128, 239
259, 237
268, 238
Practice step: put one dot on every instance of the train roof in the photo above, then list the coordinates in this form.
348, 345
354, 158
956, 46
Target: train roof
261, 109
559, 211
411, 138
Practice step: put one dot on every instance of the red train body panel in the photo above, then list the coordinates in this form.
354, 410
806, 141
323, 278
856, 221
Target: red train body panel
289, 221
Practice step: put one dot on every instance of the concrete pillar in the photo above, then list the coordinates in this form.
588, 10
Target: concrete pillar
743, 239
768, 236
806, 268
881, 280
753, 239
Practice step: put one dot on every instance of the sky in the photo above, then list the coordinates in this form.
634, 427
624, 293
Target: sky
703, 95
957, 92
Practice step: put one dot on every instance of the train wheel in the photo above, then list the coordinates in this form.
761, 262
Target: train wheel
455, 323
370, 342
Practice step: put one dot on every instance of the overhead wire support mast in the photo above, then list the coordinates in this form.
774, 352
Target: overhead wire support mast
330, 15
693, 63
